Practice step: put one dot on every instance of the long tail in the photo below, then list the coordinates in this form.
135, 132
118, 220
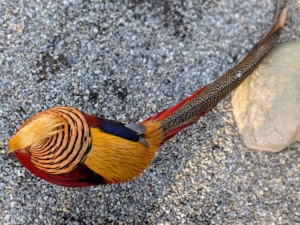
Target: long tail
202, 101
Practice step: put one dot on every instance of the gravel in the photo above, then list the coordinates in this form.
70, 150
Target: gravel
127, 60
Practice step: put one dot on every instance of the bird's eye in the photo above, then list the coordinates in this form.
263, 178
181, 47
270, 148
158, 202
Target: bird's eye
27, 148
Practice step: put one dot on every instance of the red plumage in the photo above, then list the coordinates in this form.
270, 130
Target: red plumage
82, 176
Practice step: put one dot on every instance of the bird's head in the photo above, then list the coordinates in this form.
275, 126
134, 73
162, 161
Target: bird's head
36, 130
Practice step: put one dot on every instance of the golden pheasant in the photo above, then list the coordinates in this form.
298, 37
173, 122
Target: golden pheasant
67, 147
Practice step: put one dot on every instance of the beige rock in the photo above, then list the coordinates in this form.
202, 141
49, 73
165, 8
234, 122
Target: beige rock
267, 105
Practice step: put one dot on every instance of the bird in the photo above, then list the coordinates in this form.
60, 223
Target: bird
67, 147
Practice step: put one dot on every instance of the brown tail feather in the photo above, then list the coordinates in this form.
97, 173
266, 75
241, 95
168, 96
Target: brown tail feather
189, 110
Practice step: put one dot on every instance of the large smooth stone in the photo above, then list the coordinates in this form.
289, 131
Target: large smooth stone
267, 104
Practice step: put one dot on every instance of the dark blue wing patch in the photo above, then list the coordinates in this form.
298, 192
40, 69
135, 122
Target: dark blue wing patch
118, 129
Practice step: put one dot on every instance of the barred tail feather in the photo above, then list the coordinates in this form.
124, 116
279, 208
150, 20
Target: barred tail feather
202, 101
163, 116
